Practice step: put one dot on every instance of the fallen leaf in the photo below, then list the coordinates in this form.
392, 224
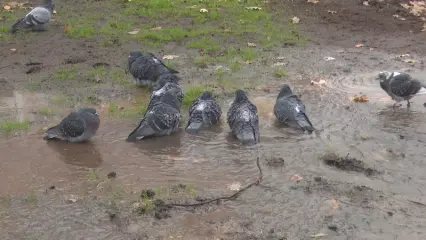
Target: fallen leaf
280, 58
135, 31
416, 7
13, 49
54, 12
278, 64
295, 20
371, 49
67, 28
97, 78
329, 59
249, 44
234, 186
318, 82
335, 204
156, 28
424, 27
254, 8
296, 178
359, 45
203, 10
313, 1
410, 61
332, 12
361, 98
170, 57
365, 3
318, 235
6, 7
398, 17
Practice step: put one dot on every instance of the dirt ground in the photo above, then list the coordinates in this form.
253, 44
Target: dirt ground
333, 28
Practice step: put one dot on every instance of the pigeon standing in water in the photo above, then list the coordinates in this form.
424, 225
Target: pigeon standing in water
243, 119
80, 125
165, 83
161, 120
400, 86
36, 18
203, 110
146, 68
289, 108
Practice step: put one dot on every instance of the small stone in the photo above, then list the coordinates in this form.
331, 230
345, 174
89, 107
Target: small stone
390, 214
332, 228
147, 194
52, 187
401, 137
317, 179
112, 175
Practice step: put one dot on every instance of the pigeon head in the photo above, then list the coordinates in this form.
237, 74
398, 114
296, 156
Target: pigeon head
134, 55
206, 95
88, 110
164, 79
240, 96
285, 90
383, 76
49, 5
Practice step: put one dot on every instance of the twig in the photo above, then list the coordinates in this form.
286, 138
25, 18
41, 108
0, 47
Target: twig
257, 182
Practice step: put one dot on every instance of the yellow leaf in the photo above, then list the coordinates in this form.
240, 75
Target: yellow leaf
135, 31
361, 98
359, 45
6, 7
335, 204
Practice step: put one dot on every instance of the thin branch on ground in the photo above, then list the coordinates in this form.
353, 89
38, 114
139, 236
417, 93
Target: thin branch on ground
233, 196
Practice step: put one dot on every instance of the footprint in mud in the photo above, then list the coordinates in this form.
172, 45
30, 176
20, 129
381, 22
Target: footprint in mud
348, 164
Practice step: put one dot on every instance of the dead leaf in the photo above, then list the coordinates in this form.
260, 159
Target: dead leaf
170, 57
249, 44
254, 8
424, 27
235, 186
280, 58
295, 20
135, 31
359, 45
296, 178
6, 7
410, 61
318, 235
278, 64
398, 17
417, 8
13, 49
156, 28
54, 12
203, 10
365, 3
97, 78
318, 82
313, 1
67, 28
335, 204
361, 98
332, 12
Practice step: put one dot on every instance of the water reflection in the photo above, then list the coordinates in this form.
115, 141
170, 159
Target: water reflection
80, 154
166, 145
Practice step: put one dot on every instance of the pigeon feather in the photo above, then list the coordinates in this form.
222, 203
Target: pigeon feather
203, 111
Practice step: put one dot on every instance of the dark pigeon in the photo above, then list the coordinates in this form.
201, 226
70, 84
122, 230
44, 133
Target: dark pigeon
164, 84
243, 119
36, 19
289, 108
161, 120
401, 86
80, 125
146, 68
203, 111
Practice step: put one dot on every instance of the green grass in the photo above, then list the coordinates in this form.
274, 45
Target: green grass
66, 73
46, 111
92, 175
207, 44
31, 199
60, 100
247, 54
7, 127
126, 112
192, 93
280, 72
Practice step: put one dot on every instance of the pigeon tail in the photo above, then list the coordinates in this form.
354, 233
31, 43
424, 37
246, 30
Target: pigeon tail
194, 126
19, 24
171, 70
142, 131
304, 123
52, 133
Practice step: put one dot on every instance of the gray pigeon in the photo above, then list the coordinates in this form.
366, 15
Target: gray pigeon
203, 111
243, 119
161, 120
146, 68
80, 125
289, 108
164, 84
400, 86
37, 18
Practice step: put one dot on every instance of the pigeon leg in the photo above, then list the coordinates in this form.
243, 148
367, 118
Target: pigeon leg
39, 28
408, 104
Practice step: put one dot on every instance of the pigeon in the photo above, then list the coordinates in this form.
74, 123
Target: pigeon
165, 83
203, 110
80, 125
146, 68
400, 86
36, 18
289, 108
161, 120
243, 119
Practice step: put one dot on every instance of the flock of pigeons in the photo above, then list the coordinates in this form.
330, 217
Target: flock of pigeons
163, 115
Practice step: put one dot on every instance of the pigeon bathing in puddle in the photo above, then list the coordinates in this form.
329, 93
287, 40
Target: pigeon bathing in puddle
36, 19
243, 119
80, 125
401, 86
289, 108
203, 111
164, 84
161, 120
146, 68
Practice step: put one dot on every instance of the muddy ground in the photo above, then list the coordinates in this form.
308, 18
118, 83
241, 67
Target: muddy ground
359, 177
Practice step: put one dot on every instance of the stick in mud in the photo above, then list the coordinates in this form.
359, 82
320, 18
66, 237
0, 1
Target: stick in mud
257, 182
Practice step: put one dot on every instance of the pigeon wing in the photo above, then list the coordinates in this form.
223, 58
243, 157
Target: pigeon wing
73, 125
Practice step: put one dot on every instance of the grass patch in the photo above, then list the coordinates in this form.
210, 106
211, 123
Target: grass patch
280, 72
46, 111
192, 93
7, 127
31, 199
60, 100
207, 44
247, 54
92, 175
66, 73
134, 111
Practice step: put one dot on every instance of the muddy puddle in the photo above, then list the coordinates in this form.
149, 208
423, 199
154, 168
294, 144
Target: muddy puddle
388, 142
